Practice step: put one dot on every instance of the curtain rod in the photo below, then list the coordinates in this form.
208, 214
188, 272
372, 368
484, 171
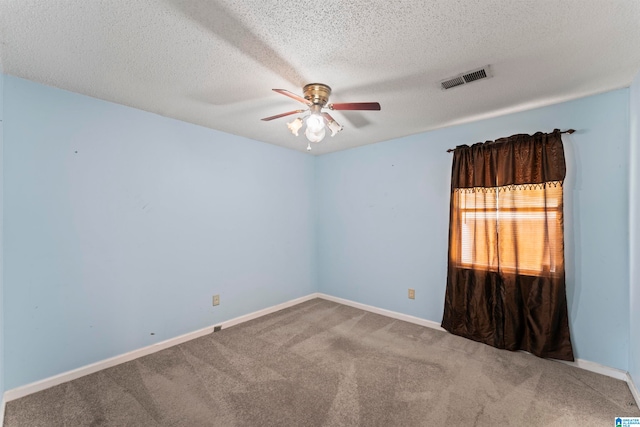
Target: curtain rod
569, 131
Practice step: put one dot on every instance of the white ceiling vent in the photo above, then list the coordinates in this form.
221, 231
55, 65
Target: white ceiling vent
465, 78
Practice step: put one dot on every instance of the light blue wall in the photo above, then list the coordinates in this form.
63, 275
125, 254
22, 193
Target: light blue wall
634, 333
384, 215
122, 223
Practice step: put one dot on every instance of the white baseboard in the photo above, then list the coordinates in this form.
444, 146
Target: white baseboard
25, 390
265, 311
597, 368
634, 390
383, 312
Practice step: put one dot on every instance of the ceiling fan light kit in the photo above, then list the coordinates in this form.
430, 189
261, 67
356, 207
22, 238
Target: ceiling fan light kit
295, 126
316, 98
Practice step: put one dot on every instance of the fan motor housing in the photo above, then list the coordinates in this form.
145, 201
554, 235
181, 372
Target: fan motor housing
317, 93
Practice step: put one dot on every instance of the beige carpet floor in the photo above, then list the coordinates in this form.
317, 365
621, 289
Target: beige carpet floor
325, 364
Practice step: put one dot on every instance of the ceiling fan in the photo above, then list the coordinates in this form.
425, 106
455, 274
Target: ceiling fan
316, 98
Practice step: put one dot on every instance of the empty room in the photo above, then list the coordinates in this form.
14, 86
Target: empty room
220, 213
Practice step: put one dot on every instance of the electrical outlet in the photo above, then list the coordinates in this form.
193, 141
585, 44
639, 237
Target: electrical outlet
412, 294
216, 300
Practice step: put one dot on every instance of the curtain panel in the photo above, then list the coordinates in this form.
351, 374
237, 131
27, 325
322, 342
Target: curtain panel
506, 281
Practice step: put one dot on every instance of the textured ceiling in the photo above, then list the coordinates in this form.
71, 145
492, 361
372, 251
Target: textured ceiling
214, 63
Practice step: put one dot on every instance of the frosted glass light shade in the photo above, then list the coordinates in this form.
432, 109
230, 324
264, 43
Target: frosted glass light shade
315, 122
295, 126
334, 127
315, 136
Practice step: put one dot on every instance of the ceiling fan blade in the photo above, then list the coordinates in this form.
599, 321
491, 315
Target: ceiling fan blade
293, 95
374, 106
277, 116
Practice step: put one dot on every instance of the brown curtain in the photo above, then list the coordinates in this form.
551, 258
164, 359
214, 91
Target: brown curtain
506, 281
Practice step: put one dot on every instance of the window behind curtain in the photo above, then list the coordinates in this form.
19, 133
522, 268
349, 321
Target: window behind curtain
510, 230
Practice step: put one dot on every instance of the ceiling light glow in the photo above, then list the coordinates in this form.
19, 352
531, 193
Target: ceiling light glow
315, 136
315, 122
